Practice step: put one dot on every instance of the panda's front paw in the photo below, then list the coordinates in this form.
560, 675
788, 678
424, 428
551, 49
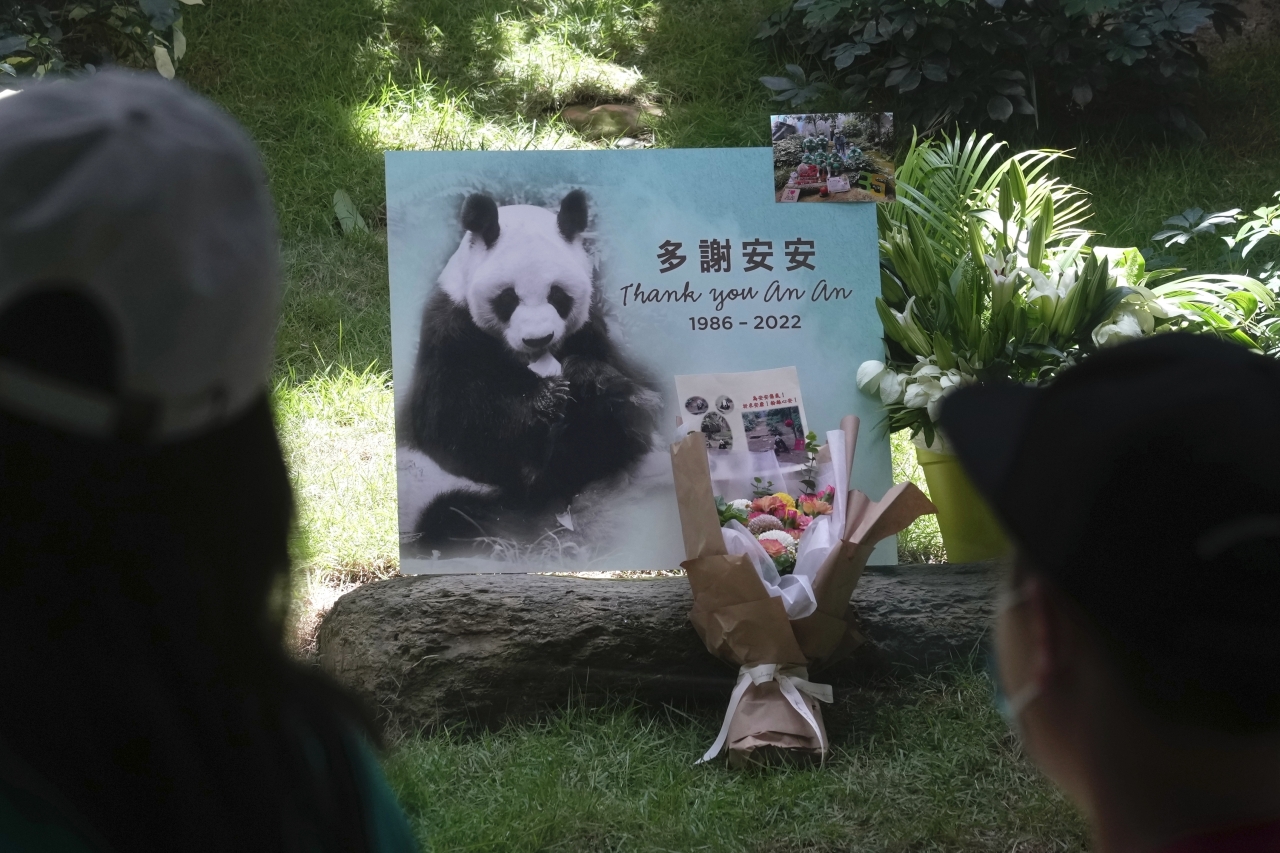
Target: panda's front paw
552, 397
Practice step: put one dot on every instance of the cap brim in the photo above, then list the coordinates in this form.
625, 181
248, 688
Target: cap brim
985, 426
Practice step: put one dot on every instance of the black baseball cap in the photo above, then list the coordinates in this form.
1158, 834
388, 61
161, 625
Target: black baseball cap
1146, 482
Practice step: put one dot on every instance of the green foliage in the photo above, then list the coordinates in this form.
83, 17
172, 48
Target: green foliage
1251, 252
987, 274
788, 152
78, 36
728, 512
979, 61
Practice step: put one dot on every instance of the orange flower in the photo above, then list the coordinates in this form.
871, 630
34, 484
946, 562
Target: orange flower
813, 505
770, 504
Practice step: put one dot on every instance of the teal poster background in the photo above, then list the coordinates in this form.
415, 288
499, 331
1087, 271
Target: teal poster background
639, 201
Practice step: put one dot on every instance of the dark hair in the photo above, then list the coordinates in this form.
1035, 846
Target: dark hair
1206, 661
143, 593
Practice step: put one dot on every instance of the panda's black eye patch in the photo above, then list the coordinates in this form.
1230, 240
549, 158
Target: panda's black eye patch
560, 300
505, 303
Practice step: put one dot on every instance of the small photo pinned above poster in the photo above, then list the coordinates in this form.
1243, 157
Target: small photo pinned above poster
836, 157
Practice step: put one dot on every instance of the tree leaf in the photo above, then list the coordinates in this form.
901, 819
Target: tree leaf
999, 108
909, 81
163, 63
778, 84
348, 216
1082, 93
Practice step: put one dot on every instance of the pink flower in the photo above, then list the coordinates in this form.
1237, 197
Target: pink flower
803, 522
773, 547
790, 519
828, 495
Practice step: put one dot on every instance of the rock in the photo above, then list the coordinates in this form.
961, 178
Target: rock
608, 121
430, 649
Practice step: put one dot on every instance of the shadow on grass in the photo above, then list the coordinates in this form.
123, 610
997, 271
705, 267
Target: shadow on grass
928, 766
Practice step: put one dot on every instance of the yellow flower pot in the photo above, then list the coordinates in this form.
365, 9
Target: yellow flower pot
969, 531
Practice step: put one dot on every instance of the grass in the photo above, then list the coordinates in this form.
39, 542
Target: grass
922, 765
1136, 183
324, 86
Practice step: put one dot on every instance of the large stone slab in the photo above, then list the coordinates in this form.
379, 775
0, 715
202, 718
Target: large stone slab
426, 650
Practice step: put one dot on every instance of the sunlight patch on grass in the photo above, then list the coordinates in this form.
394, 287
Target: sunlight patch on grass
337, 432
424, 116
546, 72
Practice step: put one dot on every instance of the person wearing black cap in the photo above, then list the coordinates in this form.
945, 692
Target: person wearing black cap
1138, 639
149, 703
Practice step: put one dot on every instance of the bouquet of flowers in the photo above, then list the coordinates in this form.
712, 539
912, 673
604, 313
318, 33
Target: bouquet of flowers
773, 625
777, 521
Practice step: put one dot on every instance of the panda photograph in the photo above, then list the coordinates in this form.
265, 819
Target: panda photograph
523, 415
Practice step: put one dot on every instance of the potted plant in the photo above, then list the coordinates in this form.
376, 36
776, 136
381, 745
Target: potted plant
988, 273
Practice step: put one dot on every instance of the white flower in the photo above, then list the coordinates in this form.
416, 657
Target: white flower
741, 505
875, 376
1006, 276
782, 536
921, 392
930, 386
1127, 325
891, 388
916, 340
869, 375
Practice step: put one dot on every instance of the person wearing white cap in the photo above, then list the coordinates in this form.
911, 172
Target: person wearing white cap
149, 703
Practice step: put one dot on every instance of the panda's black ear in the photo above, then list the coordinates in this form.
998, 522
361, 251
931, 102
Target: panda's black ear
480, 217
573, 214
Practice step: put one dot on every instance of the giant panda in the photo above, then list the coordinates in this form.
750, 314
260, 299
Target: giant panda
517, 385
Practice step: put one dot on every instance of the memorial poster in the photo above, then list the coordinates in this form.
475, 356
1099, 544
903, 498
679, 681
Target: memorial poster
548, 308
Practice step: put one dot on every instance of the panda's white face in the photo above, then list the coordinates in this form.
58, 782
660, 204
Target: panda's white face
532, 287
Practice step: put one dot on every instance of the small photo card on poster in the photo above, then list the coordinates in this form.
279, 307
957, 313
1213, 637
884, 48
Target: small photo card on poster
558, 317
838, 157
754, 425
756, 412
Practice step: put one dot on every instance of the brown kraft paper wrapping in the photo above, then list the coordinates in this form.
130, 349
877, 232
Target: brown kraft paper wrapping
740, 623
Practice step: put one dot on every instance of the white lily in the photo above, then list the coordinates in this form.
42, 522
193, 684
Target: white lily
892, 387
869, 375
1047, 291
1006, 278
916, 341
921, 392
1129, 323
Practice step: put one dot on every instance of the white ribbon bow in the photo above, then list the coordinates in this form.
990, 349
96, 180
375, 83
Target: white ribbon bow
792, 681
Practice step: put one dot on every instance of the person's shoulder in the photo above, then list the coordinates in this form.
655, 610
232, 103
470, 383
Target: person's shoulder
386, 826
1257, 838
34, 818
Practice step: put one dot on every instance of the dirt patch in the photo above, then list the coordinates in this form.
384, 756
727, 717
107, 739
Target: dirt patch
1262, 23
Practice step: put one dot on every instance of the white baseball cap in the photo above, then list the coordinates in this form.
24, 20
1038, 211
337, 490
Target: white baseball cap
153, 203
